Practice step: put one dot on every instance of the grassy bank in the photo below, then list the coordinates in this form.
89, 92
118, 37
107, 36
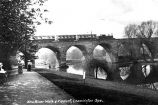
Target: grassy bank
91, 95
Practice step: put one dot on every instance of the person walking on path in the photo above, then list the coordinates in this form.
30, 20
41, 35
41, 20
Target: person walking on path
20, 71
29, 66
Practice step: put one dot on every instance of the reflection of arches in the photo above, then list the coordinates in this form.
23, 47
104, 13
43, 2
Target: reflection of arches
146, 69
100, 73
124, 72
94, 64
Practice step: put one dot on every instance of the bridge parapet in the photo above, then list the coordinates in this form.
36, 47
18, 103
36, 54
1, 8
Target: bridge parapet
43, 37
75, 37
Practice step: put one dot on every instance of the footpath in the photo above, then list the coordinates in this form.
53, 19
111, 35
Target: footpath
30, 88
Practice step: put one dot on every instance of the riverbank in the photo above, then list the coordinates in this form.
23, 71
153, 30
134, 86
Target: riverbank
100, 92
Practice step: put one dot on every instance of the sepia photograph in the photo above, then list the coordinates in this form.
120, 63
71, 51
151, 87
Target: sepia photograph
78, 52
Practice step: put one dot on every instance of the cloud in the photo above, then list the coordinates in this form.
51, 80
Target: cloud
125, 5
141, 10
98, 16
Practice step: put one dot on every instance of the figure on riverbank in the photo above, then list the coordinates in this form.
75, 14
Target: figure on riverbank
20, 71
29, 66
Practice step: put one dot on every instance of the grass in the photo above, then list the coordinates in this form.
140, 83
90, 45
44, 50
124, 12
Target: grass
80, 91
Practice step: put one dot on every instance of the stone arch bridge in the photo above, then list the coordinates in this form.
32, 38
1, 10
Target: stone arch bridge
60, 48
114, 47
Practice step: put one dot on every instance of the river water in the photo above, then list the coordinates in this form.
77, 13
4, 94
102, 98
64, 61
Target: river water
124, 71
101, 74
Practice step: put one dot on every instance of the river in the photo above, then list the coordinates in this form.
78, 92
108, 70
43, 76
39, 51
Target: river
124, 71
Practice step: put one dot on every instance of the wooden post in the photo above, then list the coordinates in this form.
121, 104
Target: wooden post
84, 76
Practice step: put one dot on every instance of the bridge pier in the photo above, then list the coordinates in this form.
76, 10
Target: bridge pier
62, 60
89, 71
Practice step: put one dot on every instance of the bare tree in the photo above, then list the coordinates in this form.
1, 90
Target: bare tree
131, 31
144, 32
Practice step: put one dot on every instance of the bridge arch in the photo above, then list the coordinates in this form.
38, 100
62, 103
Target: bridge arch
99, 69
50, 55
109, 52
99, 66
55, 50
82, 48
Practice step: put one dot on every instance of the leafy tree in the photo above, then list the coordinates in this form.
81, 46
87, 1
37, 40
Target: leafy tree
18, 20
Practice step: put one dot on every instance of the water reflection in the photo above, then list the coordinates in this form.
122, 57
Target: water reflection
100, 73
146, 69
139, 72
75, 69
124, 72
140, 69
79, 70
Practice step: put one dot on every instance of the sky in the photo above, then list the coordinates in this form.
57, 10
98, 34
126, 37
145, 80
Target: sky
96, 16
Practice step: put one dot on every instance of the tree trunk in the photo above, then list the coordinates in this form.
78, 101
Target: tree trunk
26, 63
96, 73
5, 59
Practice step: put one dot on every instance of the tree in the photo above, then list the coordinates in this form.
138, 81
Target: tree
143, 32
131, 31
18, 19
